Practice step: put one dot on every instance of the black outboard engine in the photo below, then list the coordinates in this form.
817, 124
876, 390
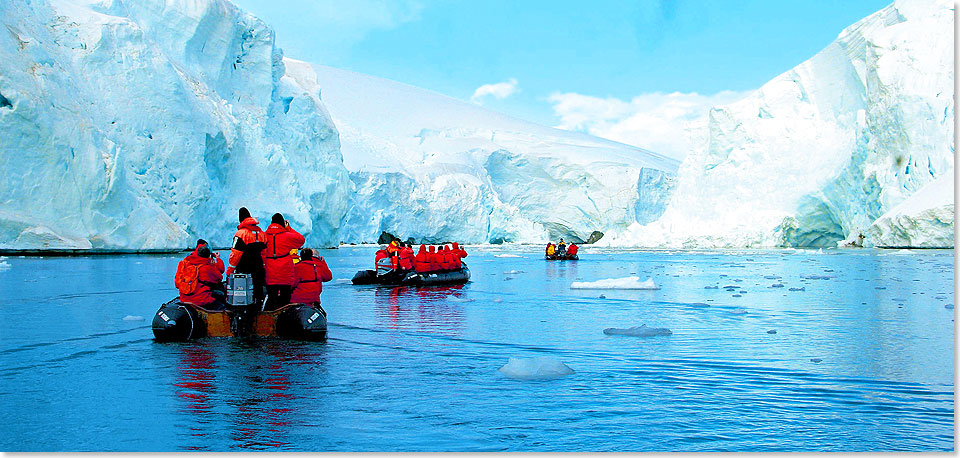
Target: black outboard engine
240, 303
176, 323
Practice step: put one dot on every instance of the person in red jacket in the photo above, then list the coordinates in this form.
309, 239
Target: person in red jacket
572, 249
460, 254
203, 274
245, 258
433, 259
420, 262
448, 262
280, 239
406, 256
311, 273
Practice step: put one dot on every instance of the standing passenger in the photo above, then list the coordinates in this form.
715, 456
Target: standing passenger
245, 257
280, 275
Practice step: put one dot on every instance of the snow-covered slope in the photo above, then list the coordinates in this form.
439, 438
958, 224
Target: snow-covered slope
141, 124
436, 168
824, 150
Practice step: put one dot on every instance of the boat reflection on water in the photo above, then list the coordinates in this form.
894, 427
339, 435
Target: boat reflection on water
428, 309
247, 384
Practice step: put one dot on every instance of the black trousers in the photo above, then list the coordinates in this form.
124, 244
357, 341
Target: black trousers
278, 296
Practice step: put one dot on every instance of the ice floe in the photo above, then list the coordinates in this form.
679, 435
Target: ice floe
133, 318
616, 283
537, 368
638, 331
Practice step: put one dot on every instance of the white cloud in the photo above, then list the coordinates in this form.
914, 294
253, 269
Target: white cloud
663, 123
497, 90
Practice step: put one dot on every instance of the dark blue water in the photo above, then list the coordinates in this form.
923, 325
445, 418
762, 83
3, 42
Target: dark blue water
862, 358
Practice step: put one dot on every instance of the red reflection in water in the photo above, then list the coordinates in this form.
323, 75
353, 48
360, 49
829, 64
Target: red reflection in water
437, 308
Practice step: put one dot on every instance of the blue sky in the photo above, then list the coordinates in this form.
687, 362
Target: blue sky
610, 50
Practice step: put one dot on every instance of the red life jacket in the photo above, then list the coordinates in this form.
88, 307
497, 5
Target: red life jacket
381, 254
420, 262
459, 254
448, 262
433, 258
276, 257
249, 240
308, 286
406, 258
572, 249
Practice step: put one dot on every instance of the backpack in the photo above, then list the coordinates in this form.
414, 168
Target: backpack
187, 279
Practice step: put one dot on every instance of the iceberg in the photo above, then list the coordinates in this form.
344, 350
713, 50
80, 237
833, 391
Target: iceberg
825, 150
616, 283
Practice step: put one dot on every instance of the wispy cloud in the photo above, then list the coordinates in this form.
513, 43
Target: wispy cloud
496, 90
656, 121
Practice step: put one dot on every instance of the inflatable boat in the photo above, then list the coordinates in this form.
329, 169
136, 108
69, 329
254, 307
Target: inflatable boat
178, 321
557, 257
412, 278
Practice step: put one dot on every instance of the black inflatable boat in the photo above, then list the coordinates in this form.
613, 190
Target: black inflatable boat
178, 321
557, 257
412, 278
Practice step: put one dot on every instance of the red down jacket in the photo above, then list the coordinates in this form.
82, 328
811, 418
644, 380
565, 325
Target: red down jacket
276, 257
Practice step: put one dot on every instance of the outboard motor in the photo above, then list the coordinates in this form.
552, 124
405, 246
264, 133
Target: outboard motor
240, 299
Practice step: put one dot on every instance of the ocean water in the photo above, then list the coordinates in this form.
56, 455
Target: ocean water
768, 350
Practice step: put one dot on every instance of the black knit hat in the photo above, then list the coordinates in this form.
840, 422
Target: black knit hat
277, 219
306, 254
203, 251
244, 213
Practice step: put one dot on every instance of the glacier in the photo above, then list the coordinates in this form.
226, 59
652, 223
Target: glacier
144, 124
437, 168
824, 151
140, 125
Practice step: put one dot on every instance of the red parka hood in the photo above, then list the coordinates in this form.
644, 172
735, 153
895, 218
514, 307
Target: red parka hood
249, 223
423, 249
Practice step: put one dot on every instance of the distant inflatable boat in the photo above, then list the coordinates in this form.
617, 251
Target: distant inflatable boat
557, 257
447, 277
178, 321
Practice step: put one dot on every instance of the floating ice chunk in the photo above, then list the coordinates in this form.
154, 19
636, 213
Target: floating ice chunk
498, 300
538, 368
638, 331
616, 283
133, 318
738, 311
513, 272
506, 255
4, 265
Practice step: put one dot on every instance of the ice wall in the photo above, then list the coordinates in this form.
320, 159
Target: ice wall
435, 168
824, 150
142, 124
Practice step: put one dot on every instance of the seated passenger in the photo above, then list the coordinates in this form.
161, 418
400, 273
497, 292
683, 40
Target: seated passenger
433, 258
381, 254
550, 249
572, 249
420, 262
449, 259
310, 275
386, 264
561, 248
406, 256
459, 254
198, 275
